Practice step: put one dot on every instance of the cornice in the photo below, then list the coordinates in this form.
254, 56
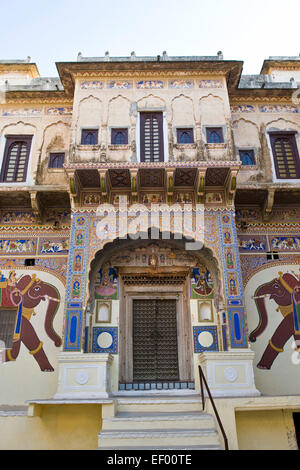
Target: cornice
27, 67
142, 165
287, 65
261, 95
37, 97
68, 71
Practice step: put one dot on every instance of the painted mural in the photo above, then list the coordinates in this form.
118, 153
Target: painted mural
107, 286
285, 291
272, 298
201, 283
25, 293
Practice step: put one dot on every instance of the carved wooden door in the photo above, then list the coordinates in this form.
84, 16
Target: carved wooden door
155, 352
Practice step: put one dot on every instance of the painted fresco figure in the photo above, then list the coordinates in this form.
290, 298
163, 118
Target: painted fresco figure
201, 276
26, 294
107, 286
285, 290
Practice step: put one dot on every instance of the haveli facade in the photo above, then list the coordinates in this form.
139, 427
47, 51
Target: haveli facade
150, 220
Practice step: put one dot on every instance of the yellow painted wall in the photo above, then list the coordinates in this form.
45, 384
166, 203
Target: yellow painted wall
266, 430
61, 427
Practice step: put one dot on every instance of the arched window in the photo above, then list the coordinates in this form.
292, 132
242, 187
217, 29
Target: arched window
247, 157
15, 162
56, 160
185, 136
119, 136
89, 137
214, 135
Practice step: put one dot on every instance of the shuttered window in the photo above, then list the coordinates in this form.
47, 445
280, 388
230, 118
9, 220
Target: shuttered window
15, 162
285, 154
152, 148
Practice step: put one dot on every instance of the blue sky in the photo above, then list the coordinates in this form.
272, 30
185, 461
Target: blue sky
57, 30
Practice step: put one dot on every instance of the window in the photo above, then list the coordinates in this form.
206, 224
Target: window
247, 157
214, 135
151, 129
89, 137
272, 256
119, 136
15, 162
185, 136
29, 262
56, 160
285, 154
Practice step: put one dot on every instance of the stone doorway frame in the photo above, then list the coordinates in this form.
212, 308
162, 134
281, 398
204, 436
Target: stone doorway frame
180, 293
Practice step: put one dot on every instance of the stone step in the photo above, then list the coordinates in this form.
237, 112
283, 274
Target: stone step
143, 404
174, 448
159, 437
163, 420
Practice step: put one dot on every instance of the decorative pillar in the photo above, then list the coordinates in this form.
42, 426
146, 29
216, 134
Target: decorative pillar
76, 282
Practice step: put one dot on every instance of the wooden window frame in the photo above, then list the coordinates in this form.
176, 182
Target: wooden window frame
189, 131
10, 141
85, 132
116, 131
143, 117
218, 131
53, 156
291, 136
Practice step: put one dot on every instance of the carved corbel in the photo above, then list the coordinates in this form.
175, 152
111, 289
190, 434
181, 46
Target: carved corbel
200, 185
35, 206
74, 197
268, 204
103, 185
170, 185
134, 184
231, 186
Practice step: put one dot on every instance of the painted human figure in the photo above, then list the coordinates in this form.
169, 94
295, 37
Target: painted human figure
25, 294
285, 291
201, 276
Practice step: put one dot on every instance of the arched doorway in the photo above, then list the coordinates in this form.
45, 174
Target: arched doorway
153, 293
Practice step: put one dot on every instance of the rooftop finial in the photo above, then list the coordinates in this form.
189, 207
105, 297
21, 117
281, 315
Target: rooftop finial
107, 55
220, 55
133, 55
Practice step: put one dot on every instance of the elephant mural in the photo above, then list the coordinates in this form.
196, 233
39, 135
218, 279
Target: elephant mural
25, 294
285, 291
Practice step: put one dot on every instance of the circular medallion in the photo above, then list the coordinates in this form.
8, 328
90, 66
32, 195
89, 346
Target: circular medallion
104, 340
231, 374
82, 377
205, 339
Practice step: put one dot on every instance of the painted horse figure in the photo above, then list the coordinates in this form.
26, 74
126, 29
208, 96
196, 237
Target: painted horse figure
285, 291
26, 294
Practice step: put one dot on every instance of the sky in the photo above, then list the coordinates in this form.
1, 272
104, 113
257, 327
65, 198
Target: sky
56, 30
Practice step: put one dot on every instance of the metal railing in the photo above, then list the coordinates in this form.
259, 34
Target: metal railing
203, 380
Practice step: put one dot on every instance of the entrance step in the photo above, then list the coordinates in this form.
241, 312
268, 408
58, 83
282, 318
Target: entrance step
159, 423
152, 404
